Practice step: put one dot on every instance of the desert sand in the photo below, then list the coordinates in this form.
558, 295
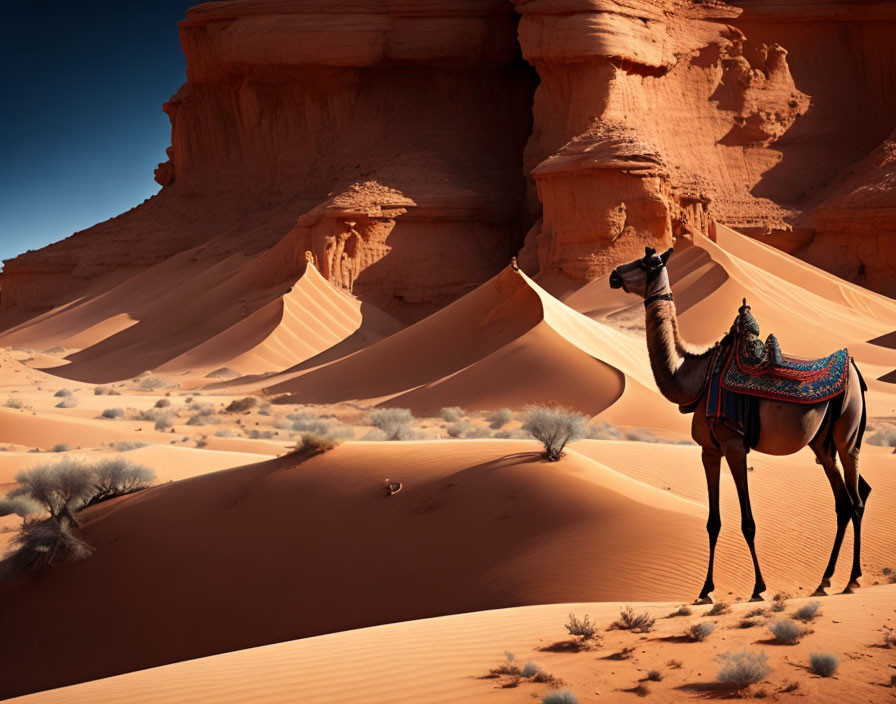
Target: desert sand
344, 191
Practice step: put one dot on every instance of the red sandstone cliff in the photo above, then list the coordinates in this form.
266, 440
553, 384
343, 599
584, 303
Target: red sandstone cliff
411, 144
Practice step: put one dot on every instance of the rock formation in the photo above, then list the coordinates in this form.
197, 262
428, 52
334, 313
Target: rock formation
411, 145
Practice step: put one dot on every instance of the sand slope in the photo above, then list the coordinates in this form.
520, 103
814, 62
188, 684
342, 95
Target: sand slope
507, 343
444, 660
478, 525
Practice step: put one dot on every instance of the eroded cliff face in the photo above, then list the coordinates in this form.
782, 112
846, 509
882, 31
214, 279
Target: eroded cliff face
414, 145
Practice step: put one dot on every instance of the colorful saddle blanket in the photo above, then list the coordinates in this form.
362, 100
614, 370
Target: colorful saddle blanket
796, 380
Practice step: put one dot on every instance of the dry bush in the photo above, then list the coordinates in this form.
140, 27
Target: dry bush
885, 437
243, 405
116, 476
630, 621
126, 445
779, 603
312, 444
19, 505
654, 675
681, 611
396, 423
113, 413
61, 447
560, 696
63, 393
747, 623
701, 631
787, 631
889, 637
758, 611
151, 383
100, 390
554, 427
452, 414
624, 654
743, 669
256, 434
719, 608
530, 669
457, 430
602, 430
67, 403
585, 628
162, 418
14, 403
40, 543
61, 488
824, 664
498, 419
162, 403
476, 433
807, 611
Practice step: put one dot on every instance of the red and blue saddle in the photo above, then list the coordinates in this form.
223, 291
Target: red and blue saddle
794, 380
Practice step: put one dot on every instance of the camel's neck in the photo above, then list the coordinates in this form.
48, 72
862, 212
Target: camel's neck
678, 369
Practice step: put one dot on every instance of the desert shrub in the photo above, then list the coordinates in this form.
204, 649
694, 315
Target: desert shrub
63, 393
19, 505
630, 621
824, 664
890, 638
456, 430
199, 419
265, 409
719, 608
452, 414
201, 441
779, 603
885, 437
554, 427
807, 611
681, 611
787, 631
241, 405
758, 611
530, 669
126, 445
14, 403
100, 390
151, 383
498, 419
601, 430
560, 696
40, 543
654, 675
60, 488
162, 403
67, 403
312, 444
585, 628
116, 476
374, 435
701, 631
113, 413
747, 623
260, 434
162, 418
225, 434
60, 447
281, 424
743, 669
475, 432
394, 422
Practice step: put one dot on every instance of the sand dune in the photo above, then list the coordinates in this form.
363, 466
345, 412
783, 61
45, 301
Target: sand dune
508, 343
444, 660
478, 525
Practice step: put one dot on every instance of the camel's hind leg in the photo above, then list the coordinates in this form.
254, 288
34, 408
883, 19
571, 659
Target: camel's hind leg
843, 507
858, 490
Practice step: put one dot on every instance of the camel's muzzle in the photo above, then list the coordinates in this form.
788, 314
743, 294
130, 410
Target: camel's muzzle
615, 279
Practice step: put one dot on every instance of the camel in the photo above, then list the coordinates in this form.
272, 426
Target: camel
831, 428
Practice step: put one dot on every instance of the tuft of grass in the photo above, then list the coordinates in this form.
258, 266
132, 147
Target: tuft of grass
63, 393
560, 696
126, 445
624, 654
753, 613
743, 668
681, 611
70, 402
459, 429
654, 675
60, 447
394, 422
151, 383
554, 427
787, 631
530, 669
719, 608
14, 403
701, 631
747, 623
312, 444
162, 403
807, 611
630, 621
243, 405
779, 603
19, 505
585, 628
113, 413
824, 664
890, 638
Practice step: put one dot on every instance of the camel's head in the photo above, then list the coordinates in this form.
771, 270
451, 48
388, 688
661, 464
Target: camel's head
637, 276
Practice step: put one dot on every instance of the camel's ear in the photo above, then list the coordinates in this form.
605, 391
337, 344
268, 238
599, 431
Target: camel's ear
649, 252
665, 255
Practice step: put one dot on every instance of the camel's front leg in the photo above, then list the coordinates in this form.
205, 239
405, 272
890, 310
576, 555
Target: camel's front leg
712, 461
736, 457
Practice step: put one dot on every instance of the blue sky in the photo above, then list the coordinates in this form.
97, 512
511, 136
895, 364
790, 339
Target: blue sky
81, 93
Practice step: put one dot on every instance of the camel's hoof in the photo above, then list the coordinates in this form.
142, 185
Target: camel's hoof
819, 592
701, 600
851, 588
757, 597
